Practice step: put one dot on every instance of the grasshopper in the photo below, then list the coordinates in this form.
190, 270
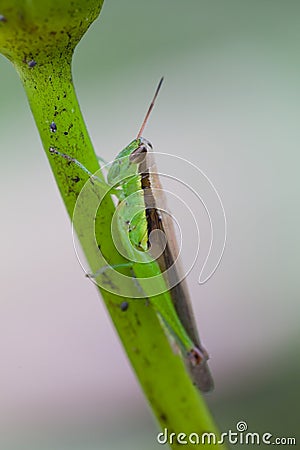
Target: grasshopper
149, 240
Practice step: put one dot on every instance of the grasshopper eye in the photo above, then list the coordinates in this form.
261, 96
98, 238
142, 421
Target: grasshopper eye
138, 155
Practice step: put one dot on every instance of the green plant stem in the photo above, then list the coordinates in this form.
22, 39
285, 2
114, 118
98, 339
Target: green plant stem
162, 375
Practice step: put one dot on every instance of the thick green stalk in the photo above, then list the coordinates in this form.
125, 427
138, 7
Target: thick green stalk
39, 38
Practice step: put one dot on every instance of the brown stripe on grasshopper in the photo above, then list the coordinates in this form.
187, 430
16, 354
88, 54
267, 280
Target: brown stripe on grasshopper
197, 356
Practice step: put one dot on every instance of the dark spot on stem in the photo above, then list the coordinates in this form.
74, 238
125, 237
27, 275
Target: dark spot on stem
124, 306
137, 320
31, 63
163, 417
53, 127
66, 133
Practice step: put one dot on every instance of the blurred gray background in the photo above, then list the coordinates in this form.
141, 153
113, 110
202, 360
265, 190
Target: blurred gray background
229, 104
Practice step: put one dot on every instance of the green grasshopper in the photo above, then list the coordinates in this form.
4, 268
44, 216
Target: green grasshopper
133, 179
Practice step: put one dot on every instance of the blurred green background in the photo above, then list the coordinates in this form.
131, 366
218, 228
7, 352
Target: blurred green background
230, 104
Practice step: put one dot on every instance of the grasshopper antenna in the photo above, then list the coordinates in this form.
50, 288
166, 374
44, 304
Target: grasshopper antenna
150, 108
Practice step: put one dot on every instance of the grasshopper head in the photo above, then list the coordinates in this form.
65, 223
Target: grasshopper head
138, 155
126, 163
